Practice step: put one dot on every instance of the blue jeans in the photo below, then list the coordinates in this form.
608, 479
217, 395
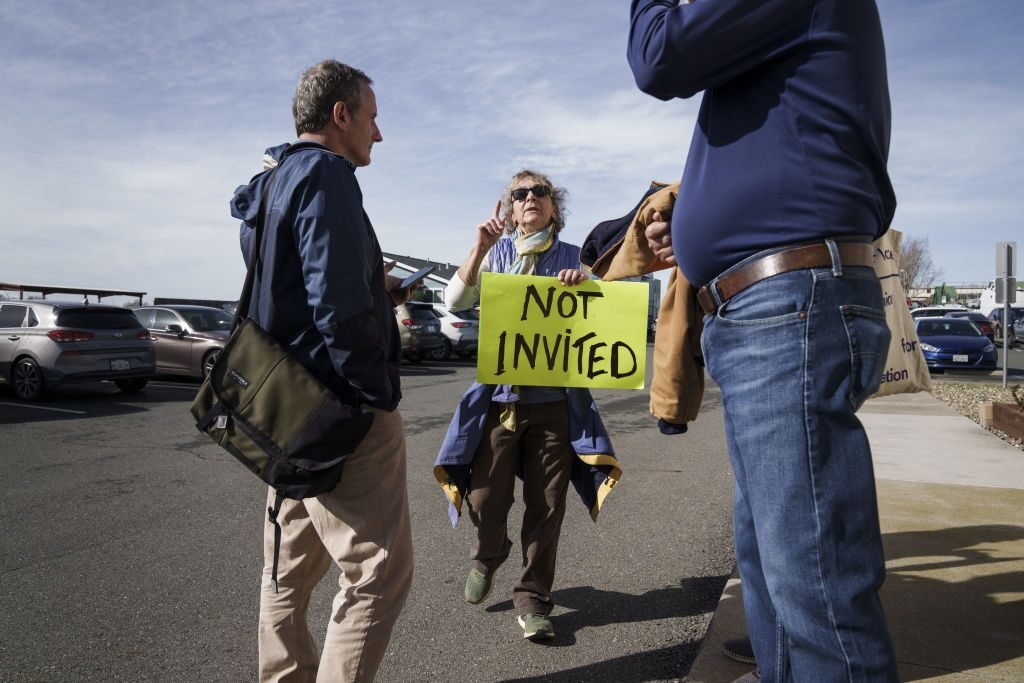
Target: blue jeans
795, 355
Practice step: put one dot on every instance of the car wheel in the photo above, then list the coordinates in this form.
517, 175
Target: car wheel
208, 362
443, 352
27, 379
130, 386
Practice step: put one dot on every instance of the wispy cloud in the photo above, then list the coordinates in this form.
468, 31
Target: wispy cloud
957, 149
128, 126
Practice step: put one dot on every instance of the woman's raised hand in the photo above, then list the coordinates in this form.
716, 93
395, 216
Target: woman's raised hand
488, 232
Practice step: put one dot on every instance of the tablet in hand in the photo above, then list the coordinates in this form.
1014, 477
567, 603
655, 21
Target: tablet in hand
417, 277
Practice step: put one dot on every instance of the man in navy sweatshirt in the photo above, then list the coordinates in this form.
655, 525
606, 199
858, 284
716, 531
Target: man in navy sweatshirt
784, 188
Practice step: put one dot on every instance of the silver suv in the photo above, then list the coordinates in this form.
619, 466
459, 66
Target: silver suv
420, 331
44, 344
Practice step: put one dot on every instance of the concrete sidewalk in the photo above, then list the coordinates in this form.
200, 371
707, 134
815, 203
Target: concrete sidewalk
951, 501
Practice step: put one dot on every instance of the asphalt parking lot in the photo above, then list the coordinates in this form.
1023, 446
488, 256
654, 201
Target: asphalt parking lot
132, 548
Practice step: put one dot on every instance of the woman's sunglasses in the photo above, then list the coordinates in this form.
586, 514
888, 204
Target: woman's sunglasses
520, 193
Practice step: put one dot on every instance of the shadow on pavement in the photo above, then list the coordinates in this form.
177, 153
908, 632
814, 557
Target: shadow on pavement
590, 607
88, 401
649, 665
69, 403
971, 618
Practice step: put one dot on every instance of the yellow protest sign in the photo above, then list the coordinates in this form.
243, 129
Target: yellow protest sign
534, 331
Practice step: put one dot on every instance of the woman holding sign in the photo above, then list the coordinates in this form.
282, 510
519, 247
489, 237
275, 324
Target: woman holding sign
548, 435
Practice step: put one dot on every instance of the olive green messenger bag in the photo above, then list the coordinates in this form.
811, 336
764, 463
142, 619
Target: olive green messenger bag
270, 412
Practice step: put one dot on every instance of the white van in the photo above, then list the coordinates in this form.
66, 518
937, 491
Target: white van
988, 300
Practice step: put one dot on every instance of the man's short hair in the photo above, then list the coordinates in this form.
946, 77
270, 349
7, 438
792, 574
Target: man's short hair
320, 87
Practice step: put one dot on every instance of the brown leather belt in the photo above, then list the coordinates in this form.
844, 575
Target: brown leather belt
796, 258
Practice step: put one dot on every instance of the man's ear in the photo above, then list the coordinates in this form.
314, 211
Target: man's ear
340, 114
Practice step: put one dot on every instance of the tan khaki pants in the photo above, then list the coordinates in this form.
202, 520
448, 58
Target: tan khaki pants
363, 526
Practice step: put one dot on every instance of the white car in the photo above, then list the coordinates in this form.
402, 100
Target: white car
460, 330
935, 311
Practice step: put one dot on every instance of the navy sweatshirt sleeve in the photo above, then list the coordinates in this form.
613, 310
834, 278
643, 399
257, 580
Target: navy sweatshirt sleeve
339, 267
679, 50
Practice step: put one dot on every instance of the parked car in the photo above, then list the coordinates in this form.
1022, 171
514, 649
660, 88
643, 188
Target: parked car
955, 344
983, 324
188, 339
1012, 323
939, 311
461, 331
419, 329
45, 344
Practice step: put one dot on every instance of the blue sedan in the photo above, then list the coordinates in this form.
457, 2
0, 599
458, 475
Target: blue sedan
955, 344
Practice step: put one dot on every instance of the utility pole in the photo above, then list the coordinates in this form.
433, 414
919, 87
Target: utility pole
1006, 292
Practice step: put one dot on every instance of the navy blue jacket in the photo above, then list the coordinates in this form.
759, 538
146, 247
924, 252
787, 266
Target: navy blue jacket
792, 136
320, 287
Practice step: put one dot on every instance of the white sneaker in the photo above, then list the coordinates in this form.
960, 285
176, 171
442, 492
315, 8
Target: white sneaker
751, 677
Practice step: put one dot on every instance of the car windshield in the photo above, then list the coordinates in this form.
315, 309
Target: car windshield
208, 321
468, 314
422, 313
98, 318
973, 317
930, 312
953, 327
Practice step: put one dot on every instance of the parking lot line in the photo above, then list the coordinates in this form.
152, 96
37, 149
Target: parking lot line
55, 410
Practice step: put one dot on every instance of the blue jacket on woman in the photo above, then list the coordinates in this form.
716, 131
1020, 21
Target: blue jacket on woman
595, 470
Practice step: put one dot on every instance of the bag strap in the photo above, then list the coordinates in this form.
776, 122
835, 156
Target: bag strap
256, 249
242, 310
272, 513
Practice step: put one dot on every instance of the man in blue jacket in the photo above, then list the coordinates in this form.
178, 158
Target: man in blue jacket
322, 290
784, 188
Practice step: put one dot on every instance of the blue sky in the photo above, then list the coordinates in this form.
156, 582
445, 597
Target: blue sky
126, 126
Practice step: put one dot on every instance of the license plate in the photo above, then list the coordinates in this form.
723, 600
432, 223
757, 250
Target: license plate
120, 365
960, 358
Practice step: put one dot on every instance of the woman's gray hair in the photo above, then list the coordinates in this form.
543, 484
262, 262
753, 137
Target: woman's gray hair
558, 197
319, 88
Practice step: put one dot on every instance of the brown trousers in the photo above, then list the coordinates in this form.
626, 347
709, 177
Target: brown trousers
540, 445
363, 527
